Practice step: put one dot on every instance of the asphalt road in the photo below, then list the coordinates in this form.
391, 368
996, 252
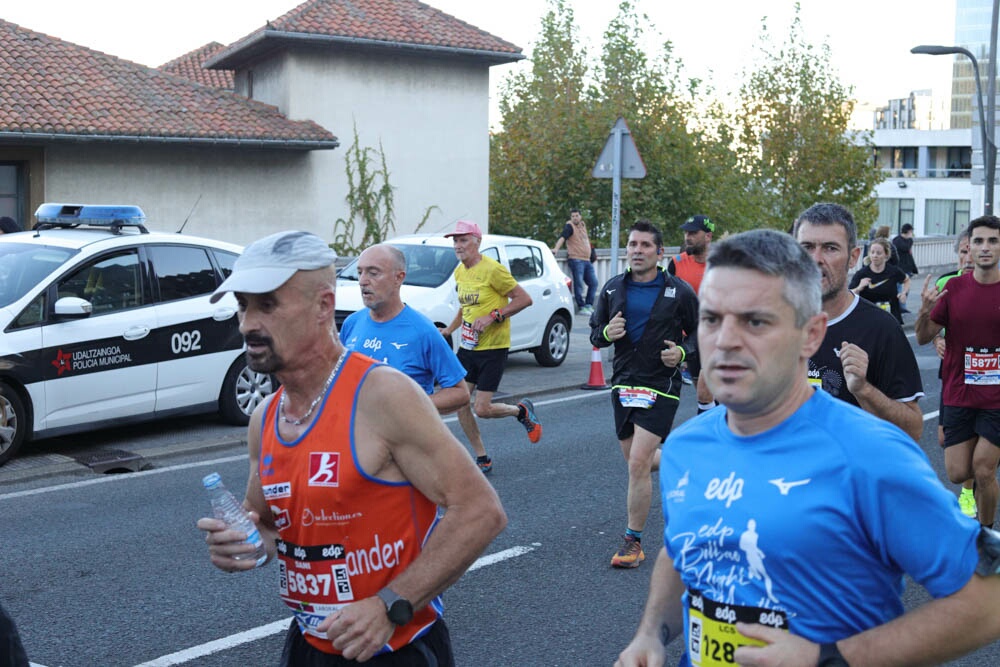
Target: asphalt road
109, 570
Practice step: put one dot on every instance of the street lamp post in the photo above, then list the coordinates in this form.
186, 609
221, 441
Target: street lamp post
989, 147
987, 122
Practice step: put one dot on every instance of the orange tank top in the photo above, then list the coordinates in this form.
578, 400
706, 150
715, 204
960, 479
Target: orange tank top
689, 270
342, 535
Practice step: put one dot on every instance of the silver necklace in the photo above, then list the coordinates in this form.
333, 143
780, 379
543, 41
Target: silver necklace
312, 406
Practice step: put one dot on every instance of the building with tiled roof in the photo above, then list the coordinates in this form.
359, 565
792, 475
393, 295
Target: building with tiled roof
191, 66
405, 78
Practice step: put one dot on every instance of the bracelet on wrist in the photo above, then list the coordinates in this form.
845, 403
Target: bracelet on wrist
497, 315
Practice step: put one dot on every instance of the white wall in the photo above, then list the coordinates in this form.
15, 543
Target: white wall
430, 114
246, 193
922, 189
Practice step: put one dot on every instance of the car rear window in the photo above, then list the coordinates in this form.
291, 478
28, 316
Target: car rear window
182, 271
426, 266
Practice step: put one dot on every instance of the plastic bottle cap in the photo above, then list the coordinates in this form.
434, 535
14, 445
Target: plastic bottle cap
211, 480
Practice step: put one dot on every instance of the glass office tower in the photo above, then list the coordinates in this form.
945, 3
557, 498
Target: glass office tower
972, 30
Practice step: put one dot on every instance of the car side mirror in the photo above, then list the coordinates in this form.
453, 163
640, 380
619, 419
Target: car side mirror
72, 308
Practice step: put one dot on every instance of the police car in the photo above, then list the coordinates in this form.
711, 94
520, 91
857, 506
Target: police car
105, 323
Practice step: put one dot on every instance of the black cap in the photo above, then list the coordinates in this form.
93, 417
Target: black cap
698, 223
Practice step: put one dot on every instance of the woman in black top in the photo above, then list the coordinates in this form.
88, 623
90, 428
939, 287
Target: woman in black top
880, 282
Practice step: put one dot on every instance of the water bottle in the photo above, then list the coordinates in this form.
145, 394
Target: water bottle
228, 509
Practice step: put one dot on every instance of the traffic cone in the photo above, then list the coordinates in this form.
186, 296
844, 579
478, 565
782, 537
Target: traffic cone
596, 380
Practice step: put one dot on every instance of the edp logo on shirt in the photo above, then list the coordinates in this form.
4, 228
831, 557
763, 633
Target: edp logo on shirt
729, 489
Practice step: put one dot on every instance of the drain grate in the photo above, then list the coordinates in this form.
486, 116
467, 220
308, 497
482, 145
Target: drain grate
111, 460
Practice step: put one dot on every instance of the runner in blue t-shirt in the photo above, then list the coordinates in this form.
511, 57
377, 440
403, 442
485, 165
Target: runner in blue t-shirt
390, 331
791, 516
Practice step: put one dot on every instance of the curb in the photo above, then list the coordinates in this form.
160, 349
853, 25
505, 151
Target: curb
30, 468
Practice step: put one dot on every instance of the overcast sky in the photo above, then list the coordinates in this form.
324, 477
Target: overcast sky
870, 39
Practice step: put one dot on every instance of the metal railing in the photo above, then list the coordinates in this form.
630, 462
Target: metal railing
931, 252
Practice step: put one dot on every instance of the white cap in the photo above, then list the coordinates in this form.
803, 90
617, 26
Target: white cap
267, 264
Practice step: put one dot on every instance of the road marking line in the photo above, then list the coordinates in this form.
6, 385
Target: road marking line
252, 635
195, 652
551, 401
499, 556
120, 478
930, 415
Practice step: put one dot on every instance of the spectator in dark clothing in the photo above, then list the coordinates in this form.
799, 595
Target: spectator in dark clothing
903, 243
8, 226
11, 650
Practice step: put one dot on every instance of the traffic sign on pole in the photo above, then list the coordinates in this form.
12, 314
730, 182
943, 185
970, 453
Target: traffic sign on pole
619, 159
631, 162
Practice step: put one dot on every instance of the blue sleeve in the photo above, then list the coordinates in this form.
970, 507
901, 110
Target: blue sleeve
441, 360
910, 518
567, 230
347, 328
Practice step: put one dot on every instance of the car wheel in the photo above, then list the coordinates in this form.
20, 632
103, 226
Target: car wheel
13, 422
242, 391
555, 342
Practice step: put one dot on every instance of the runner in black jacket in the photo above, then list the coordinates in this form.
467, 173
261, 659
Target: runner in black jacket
651, 318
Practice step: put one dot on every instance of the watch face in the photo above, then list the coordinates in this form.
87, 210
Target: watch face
400, 612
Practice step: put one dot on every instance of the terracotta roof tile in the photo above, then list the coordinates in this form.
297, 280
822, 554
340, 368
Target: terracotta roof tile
395, 22
189, 67
53, 87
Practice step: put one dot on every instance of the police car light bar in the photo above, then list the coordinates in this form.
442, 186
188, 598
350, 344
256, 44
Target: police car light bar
77, 214
114, 217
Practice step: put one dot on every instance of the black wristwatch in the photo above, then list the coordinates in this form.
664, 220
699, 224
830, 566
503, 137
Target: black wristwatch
397, 608
829, 656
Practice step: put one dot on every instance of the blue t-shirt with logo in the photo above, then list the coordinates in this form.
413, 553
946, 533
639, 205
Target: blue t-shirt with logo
409, 343
815, 520
640, 298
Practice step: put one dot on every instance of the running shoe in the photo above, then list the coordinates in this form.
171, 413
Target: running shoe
630, 555
529, 420
967, 502
586, 310
485, 464
686, 376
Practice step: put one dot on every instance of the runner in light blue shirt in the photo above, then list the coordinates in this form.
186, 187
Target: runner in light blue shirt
391, 332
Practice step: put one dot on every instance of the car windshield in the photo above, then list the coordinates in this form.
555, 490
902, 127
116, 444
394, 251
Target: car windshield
426, 266
24, 265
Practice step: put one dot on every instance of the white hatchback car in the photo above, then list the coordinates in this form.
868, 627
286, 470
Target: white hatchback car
542, 329
104, 323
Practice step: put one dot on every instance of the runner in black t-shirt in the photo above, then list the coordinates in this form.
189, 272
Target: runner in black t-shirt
865, 358
880, 283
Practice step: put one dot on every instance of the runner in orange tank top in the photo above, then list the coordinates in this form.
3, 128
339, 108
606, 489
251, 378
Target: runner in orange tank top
344, 490
689, 266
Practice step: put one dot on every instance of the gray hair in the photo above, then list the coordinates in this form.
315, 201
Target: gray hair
829, 214
396, 255
963, 236
774, 254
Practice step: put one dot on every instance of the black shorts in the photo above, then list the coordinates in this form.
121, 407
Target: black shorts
961, 424
657, 419
433, 649
483, 368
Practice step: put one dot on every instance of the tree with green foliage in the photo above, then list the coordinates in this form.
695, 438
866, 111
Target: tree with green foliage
557, 118
793, 138
540, 160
